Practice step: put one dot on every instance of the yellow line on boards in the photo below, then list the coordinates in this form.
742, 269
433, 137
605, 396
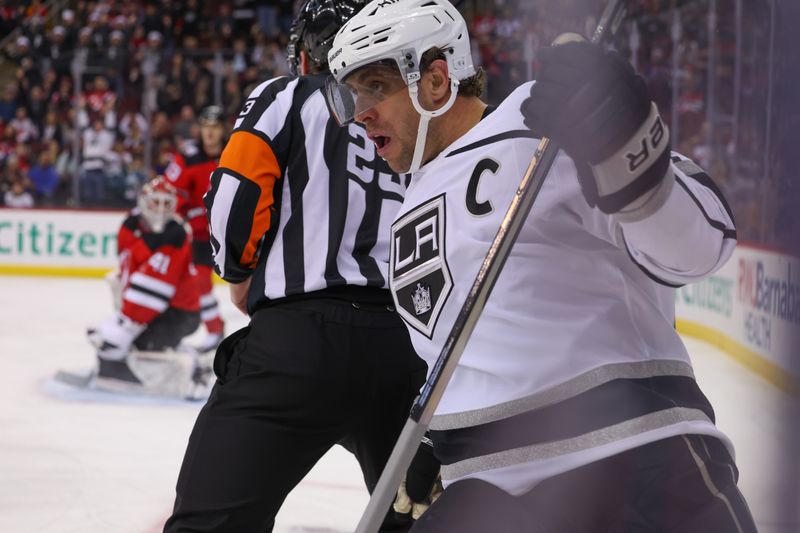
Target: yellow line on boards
754, 362
55, 271
63, 271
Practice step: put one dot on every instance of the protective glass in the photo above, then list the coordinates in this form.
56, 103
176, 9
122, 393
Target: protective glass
362, 90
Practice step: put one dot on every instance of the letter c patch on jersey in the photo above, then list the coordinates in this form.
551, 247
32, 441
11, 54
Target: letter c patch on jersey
419, 277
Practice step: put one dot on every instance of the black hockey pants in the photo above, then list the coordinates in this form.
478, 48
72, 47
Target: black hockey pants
167, 330
683, 484
302, 377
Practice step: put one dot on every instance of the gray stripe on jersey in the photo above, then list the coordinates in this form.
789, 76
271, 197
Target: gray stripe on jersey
275, 272
593, 439
316, 193
270, 124
223, 199
564, 391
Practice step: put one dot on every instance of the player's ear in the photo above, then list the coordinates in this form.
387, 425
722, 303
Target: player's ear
303, 66
437, 81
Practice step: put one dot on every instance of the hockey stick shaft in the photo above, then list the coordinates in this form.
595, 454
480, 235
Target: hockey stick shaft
425, 405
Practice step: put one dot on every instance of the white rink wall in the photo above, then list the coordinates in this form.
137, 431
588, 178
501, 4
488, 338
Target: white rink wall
58, 241
750, 309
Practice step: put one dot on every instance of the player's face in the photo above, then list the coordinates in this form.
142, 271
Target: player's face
211, 134
381, 103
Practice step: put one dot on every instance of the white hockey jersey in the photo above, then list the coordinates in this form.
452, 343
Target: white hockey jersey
575, 356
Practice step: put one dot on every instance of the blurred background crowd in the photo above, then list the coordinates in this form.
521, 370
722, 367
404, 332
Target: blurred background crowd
97, 96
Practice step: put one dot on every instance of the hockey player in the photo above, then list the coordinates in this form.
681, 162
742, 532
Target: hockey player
300, 212
159, 300
190, 173
573, 407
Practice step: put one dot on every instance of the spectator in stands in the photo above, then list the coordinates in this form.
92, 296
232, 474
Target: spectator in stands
267, 15
116, 60
232, 96
12, 172
44, 178
186, 128
97, 143
161, 128
62, 100
69, 23
56, 54
66, 164
37, 105
191, 16
99, 95
241, 57
133, 128
83, 55
8, 17
26, 130
7, 143
135, 177
17, 196
9, 102
51, 129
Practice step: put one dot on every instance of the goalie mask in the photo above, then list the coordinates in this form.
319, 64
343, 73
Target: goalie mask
158, 201
315, 27
396, 33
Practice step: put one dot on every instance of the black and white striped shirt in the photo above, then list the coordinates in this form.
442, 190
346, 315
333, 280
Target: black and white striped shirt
298, 202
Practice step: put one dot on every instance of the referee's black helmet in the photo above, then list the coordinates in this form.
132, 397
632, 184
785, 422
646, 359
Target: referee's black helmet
315, 27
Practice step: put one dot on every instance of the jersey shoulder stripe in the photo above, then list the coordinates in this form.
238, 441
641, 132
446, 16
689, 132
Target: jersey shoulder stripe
503, 123
514, 134
689, 168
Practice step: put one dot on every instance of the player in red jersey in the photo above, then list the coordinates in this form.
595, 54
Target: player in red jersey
159, 300
190, 173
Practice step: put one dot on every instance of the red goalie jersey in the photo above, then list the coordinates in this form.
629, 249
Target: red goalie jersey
156, 270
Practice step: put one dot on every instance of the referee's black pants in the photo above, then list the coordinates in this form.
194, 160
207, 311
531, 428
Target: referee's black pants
302, 377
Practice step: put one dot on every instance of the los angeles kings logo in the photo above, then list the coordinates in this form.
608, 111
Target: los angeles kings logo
419, 276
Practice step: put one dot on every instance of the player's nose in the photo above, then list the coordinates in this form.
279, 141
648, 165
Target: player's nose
364, 113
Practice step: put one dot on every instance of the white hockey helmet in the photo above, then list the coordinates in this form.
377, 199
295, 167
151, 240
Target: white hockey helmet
158, 202
397, 32
402, 30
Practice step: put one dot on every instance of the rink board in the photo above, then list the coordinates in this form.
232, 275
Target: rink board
751, 309
58, 241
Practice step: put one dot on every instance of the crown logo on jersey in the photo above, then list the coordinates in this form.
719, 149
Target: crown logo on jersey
421, 299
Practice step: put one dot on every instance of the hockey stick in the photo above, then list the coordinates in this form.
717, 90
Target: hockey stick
425, 405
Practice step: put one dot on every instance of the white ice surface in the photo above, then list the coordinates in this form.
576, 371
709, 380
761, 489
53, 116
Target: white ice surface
86, 463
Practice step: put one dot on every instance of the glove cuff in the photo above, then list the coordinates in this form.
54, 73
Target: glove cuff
642, 165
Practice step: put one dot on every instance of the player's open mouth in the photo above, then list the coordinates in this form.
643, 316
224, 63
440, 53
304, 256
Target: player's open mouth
381, 142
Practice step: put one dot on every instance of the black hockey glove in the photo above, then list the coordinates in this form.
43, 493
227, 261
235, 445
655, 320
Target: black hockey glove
422, 484
597, 109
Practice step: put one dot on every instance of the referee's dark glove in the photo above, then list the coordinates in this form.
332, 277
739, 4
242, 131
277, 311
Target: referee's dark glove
595, 107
